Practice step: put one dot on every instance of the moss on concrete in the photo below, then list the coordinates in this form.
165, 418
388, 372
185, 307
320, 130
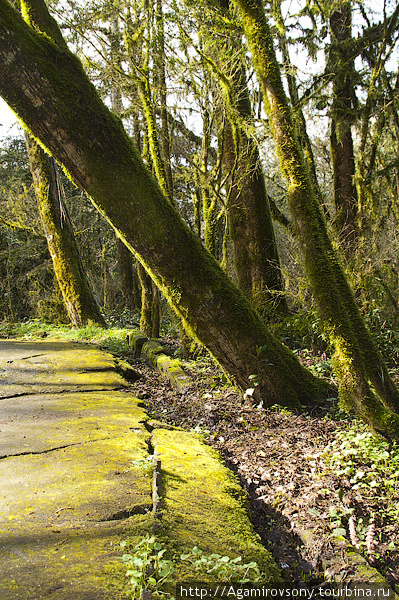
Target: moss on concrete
136, 340
51, 366
203, 504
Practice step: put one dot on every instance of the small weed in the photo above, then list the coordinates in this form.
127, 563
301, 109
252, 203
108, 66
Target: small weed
281, 409
200, 430
145, 464
223, 568
147, 568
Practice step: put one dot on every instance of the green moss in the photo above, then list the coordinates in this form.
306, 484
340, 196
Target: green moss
203, 504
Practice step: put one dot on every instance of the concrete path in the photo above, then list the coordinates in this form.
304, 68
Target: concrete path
78, 475
69, 439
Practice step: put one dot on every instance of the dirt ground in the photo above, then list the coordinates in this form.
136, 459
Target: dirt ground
278, 458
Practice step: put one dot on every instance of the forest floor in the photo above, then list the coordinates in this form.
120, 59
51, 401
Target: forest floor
280, 458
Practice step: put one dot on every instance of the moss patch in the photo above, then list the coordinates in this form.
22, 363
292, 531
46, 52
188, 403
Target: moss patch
53, 366
203, 504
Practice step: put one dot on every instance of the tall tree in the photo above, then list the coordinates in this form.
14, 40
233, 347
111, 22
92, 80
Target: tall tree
256, 257
357, 359
102, 160
342, 109
77, 294
78, 297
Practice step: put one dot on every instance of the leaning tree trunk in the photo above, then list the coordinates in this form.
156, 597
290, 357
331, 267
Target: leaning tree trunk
49, 90
357, 358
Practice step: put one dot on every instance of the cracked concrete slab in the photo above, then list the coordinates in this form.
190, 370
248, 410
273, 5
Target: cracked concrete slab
54, 366
70, 478
37, 423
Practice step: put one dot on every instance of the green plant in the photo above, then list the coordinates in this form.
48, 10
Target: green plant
145, 464
384, 332
369, 464
223, 568
338, 516
147, 568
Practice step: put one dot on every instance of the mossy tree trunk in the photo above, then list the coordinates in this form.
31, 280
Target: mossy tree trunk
342, 152
251, 229
210, 207
299, 118
149, 321
127, 276
161, 76
76, 292
124, 256
250, 225
357, 358
48, 89
150, 296
78, 297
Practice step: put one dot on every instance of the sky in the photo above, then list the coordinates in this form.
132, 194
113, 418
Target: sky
8, 120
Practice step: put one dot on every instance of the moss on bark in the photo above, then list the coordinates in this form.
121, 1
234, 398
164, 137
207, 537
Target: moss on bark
78, 297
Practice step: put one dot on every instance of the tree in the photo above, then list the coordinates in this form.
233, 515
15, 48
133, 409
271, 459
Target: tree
47, 87
343, 105
357, 360
256, 257
78, 297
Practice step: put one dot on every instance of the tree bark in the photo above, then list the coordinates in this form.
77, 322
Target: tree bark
48, 89
256, 259
125, 268
76, 292
150, 318
356, 356
342, 152
251, 229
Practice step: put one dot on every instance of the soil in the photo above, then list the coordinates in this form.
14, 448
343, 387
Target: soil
278, 457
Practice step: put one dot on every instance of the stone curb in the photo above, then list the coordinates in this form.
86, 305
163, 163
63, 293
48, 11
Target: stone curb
359, 569
153, 353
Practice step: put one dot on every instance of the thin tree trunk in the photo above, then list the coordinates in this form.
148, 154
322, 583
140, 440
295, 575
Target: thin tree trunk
256, 259
149, 321
300, 122
342, 152
161, 73
102, 160
76, 292
125, 268
256, 256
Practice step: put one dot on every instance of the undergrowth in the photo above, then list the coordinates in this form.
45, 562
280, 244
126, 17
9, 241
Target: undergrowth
369, 466
148, 569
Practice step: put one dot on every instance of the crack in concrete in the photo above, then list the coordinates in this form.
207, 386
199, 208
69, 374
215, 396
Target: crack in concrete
18, 395
140, 509
9, 362
73, 391
27, 453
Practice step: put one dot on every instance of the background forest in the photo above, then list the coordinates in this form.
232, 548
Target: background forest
181, 79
